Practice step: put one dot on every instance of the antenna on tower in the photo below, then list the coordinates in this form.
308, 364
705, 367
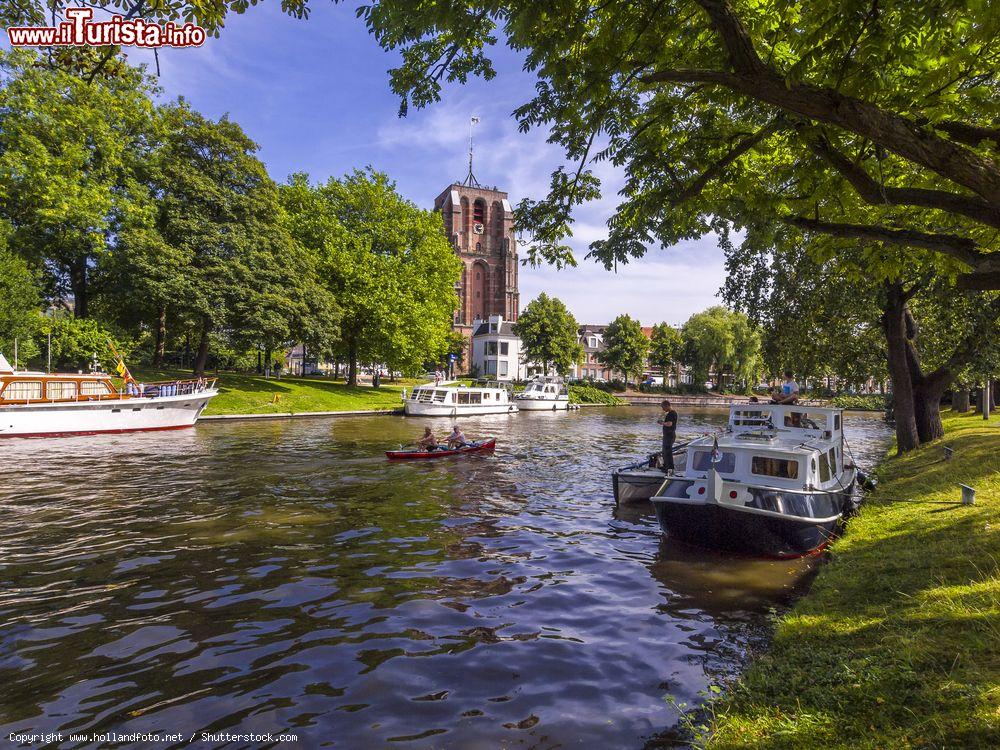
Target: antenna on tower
470, 179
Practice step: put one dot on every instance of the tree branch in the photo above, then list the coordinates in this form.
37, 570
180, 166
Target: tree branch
890, 130
876, 194
960, 248
744, 145
739, 46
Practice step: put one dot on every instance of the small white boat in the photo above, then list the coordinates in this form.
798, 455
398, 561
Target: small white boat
543, 394
448, 400
38, 404
776, 483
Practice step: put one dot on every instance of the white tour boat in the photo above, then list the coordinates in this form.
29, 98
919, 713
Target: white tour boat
38, 404
450, 400
543, 394
776, 483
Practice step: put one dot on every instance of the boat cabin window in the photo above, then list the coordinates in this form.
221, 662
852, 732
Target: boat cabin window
833, 461
56, 389
824, 467
751, 418
703, 462
781, 468
94, 388
475, 398
805, 420
23, 390
836, 421
486, 397
440, 396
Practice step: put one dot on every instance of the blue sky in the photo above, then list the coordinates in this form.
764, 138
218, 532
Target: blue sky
315, 95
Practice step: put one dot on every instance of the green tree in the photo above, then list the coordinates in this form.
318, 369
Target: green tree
866, 121
387, 263
19, 302
76, 341
725, 342
625, 347
67, 149
549, 334
665, 347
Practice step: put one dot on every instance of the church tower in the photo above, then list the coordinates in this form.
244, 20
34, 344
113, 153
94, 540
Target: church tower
479, 222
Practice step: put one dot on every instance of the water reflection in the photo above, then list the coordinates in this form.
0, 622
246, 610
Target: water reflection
282, 576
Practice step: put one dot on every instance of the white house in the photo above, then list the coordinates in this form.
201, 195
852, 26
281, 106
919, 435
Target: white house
496, 350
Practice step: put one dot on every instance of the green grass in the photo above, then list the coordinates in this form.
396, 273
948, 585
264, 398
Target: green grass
897, 644
588, 394
252, 394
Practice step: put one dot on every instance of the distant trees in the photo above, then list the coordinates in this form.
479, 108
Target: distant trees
724, 341
549, 334
19, 302
665, 346
386, 262
625, 347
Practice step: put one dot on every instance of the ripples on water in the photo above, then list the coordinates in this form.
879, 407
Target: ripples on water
284, 577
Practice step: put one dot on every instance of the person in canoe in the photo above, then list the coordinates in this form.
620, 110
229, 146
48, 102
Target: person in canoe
456, 438
429, 441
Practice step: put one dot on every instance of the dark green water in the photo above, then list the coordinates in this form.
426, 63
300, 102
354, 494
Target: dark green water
284, 577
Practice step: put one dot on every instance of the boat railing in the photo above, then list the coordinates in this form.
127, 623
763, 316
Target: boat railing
162, 388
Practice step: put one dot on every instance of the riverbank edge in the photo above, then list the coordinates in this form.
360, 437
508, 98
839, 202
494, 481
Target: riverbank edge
895, 645
347, 413
654, 399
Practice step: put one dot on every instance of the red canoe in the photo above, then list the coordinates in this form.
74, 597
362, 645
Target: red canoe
483, 447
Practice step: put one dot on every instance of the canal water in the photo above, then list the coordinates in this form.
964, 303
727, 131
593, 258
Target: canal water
282, 576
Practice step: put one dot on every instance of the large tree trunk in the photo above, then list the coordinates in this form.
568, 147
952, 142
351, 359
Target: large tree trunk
78, 284
161, 336
927, 409
960, 400
352, 361
202, 358
894, 326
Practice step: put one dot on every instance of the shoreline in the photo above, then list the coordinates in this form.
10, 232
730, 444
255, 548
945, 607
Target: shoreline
895, 643
343, 413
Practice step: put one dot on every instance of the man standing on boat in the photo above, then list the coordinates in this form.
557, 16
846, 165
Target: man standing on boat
668, 420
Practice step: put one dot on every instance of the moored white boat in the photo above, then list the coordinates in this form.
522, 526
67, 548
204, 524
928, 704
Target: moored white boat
37, 404
776, 483
449, 400
543, 394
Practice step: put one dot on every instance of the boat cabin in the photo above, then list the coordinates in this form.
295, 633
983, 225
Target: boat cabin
26, 387
550, 388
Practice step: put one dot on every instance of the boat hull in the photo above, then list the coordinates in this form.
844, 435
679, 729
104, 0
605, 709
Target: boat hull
636, 485
734, 528
485, 447
540, 404
417, 409
107, 416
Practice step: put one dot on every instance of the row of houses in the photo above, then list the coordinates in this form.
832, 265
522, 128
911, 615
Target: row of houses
496, 354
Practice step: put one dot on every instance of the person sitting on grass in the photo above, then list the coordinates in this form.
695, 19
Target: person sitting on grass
428, 441
456, 438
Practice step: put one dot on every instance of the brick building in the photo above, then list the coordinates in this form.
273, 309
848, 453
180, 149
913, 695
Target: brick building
479, 221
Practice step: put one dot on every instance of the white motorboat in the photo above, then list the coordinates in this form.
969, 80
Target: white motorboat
638, 482
38, 404
776, 483
543, 394
450, 400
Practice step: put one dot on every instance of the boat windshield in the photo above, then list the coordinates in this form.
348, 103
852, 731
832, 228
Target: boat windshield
702, 461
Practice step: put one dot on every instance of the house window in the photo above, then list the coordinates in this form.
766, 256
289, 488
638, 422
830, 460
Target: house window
491, 347
504, 347
503, 368
775, 467
490, 367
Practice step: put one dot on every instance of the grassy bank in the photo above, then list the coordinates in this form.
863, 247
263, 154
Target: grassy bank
250, 394
897, 644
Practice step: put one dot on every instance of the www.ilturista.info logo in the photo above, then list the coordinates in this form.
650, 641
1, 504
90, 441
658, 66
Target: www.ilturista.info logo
79, 30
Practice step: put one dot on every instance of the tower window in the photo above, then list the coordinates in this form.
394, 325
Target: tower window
479, 211
479, 247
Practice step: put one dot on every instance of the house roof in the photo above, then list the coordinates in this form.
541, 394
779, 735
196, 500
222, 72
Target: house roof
591, 328
506, 329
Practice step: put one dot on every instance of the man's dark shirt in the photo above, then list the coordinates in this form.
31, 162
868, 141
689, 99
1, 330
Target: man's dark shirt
671, 417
